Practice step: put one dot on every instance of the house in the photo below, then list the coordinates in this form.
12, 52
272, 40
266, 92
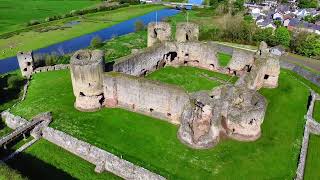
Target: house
277, 50
278, 16
286, 22
267, 23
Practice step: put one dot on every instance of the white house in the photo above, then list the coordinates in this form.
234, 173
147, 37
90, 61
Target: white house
278, 16
286, 22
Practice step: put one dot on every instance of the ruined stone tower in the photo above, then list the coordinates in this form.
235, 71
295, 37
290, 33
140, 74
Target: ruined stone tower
25, 60
187, 31
87, 68
158, 31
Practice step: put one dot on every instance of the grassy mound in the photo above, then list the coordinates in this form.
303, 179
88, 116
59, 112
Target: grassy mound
153, 144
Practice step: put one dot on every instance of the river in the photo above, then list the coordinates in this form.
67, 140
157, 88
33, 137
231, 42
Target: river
69, 46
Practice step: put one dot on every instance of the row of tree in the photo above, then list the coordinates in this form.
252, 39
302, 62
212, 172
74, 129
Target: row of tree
237, 29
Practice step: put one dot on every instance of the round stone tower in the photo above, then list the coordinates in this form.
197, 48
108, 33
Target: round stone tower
87, 68
158, 31
25, 60
187, 31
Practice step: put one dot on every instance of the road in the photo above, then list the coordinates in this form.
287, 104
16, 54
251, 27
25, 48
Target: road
312, 64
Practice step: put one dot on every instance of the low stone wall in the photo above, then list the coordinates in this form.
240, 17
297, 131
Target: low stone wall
13, 121
312, 127
51, 68
102, 159
153, 98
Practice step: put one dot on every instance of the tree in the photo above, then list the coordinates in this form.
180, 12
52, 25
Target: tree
238, 6
308, 3
282, 36
264, 35
278, 23
96, 42
139, 26
309, 45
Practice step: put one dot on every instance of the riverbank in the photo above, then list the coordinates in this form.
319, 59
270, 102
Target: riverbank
86, 24
18, 13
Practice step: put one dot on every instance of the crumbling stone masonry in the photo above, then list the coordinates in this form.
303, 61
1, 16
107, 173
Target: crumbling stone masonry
87, 68
158, 32
103, 160
235, 111
25, 61
312, 127
187, 31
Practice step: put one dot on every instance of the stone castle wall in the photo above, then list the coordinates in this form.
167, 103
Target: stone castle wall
196, 54
149, 97
103, 160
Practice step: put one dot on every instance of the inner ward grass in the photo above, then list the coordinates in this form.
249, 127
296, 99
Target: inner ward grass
190, 78
153, 143
224, 59
313, 163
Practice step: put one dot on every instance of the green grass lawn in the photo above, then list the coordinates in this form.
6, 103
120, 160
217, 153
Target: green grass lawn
44, 160
316, 111
16, 13
153, 144
4, 130
8, 173
33, 40
224, 59
313, 162
122, 45
190, 78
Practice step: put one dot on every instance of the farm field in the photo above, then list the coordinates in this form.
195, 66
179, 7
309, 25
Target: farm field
313, 163
36, 39
16, 13
119, 131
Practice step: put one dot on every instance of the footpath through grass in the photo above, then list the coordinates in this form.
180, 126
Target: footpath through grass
153, 144
33, 40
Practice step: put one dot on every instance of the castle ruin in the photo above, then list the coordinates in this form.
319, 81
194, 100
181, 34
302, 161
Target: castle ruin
235, 111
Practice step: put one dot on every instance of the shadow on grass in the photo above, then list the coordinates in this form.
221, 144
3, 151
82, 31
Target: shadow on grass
33, 168
10, 88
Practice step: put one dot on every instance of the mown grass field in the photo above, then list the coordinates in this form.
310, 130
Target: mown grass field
316, 111
153, 144
33, 40
313, 162
16, 13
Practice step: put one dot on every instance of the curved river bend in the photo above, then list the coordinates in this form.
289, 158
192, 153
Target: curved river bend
69, 46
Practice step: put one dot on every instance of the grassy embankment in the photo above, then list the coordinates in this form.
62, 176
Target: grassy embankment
156, 147
316, 111
88, 23
17, 13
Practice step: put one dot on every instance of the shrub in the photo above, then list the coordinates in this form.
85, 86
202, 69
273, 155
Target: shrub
139, 26
309, 45
33, 22
282, 36
96, 42
14, 82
